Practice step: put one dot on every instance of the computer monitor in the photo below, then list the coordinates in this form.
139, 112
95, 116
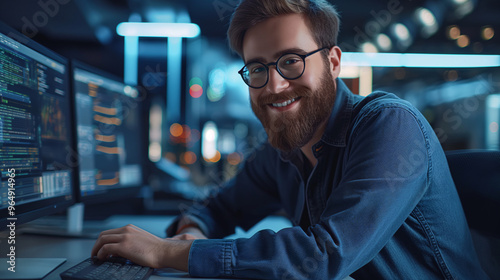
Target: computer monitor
35, 130
108, 149
109, 132
35, 140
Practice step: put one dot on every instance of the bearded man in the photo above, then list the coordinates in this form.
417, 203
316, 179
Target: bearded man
364, 180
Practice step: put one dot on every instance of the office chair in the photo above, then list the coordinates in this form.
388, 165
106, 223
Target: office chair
476, 174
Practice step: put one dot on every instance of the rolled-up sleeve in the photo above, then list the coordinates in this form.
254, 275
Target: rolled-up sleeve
211, 258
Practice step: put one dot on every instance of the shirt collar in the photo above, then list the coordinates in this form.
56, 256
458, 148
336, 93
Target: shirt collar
338, 123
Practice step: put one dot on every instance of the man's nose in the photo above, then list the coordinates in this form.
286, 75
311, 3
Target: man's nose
276, 83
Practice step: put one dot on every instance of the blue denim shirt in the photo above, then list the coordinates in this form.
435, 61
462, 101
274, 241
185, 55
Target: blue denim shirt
380, 204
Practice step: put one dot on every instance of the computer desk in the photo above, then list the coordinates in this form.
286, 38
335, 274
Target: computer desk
75, 250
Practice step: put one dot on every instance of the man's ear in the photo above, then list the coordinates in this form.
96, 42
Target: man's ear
334, 57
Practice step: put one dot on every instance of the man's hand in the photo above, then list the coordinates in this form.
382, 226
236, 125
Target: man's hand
143, 248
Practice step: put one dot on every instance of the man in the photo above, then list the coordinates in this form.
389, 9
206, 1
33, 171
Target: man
364, 180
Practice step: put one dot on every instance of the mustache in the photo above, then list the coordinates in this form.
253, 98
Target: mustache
268, 98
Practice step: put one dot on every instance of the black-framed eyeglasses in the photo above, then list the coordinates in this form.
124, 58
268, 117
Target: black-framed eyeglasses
290, 66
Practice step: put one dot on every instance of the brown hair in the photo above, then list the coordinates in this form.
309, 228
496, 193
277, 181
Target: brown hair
322, 19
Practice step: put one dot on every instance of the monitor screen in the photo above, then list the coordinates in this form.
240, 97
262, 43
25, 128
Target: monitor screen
35, 130
108, 129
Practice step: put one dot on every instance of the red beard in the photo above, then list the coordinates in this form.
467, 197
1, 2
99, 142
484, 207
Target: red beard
291, 130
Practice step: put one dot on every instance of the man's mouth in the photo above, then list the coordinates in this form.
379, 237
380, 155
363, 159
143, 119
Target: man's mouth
284, 103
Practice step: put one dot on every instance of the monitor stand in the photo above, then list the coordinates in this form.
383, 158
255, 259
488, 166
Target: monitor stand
72, 226
74, 218
28, 268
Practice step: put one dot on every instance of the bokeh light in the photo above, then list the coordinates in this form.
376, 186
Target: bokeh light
487, 33
189, 157
463, 41
493, 127
176, 130
215, 158
196, 91
234, 158
454, 32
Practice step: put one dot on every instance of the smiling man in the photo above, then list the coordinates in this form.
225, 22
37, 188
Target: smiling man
294, 102
364, 180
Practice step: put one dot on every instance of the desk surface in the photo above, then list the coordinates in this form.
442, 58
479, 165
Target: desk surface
76, 250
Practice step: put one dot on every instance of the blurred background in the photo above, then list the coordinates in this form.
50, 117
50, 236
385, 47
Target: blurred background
196, 109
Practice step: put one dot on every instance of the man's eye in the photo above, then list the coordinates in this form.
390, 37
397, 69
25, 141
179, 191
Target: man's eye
292, 60
257, 70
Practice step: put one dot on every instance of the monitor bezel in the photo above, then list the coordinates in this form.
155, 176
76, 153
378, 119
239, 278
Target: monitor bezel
30, 211
113, 194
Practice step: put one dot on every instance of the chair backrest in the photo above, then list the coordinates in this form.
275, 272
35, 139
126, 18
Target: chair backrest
476, 174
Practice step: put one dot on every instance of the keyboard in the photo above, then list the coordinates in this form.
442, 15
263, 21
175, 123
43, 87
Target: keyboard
110, 269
